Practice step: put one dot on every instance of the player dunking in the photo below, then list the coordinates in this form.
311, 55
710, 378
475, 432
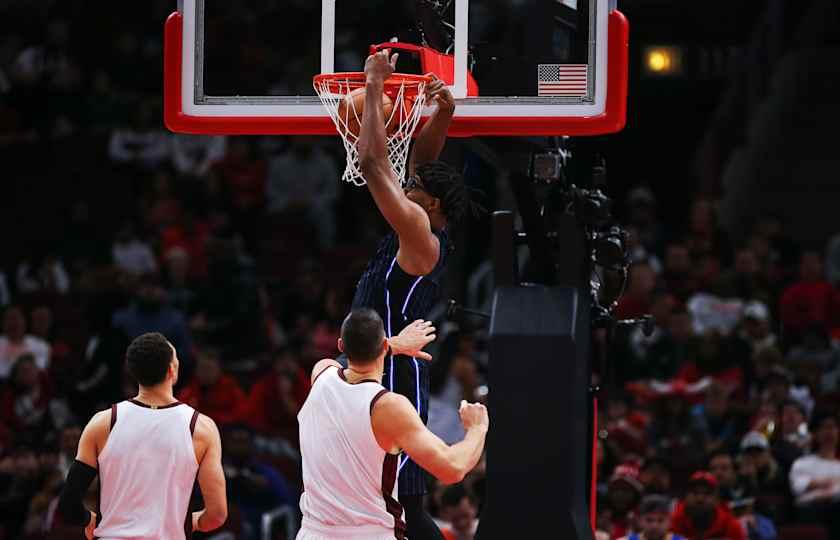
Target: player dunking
148, 452
402, 281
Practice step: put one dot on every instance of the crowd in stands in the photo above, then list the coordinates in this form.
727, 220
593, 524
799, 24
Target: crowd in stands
723, 423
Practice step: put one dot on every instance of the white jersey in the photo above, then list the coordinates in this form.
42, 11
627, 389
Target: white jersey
146, 472
349, 482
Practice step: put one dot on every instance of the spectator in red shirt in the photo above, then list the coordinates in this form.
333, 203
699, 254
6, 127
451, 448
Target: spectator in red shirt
809, 301
700, 515
275, 399
213, 392
191, 234
623, 492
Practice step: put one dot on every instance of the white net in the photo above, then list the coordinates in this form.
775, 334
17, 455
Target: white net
408, 98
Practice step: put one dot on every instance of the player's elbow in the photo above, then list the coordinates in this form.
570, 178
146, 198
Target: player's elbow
214, 518
451, 477
452, 473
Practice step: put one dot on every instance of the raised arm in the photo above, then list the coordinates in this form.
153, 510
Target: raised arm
397, 426
409, 221
432, 137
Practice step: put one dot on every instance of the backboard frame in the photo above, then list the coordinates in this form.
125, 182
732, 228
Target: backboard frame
304, 115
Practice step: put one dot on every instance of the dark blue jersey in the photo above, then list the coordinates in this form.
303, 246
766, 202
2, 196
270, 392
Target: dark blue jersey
400, 299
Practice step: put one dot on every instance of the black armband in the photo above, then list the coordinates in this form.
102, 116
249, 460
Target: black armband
70, 506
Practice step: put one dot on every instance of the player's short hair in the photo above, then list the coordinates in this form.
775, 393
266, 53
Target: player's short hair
442, 181
362, 333
147, 358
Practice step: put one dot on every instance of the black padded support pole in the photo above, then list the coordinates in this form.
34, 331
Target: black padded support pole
538, 459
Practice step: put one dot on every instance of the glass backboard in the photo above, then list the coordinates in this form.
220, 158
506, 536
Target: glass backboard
516, 67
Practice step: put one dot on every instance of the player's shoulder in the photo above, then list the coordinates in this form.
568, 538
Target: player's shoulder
392, 402
205, 427
101, 418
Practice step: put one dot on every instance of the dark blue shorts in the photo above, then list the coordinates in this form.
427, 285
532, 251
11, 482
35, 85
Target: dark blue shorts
409, 377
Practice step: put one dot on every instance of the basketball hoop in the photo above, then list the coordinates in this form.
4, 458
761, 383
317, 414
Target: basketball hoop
407, 96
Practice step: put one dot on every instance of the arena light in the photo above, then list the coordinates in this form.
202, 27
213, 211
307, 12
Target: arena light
662, 61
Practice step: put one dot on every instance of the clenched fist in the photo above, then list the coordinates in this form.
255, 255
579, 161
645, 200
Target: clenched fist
474, 415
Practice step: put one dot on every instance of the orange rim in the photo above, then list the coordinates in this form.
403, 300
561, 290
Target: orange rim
340, 83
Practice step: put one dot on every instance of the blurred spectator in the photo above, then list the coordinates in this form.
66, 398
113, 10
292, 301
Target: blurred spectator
304, 179
705, 237
15, 342
254, 487
700, 515
212, 391
713, 420
27, 405
759, 469
21, 475
179, 289
459, 512
792, 437
676, 346
42, 275
654, 521
678, 273
142, 144
192, 235
641, 213
638, 253
757, 526
815, 478
745, 279
655, 476
625, 428
242, 173
809, 301
730, 485
755, 327
159, 206
668, 435
227, 311
68, 444
623, 494
193, 155
131, 254
274, 401
149, 313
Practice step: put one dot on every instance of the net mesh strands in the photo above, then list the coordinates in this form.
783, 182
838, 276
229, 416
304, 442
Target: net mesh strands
407, 94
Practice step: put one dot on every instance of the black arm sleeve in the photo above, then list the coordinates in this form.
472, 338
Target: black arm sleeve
70, 506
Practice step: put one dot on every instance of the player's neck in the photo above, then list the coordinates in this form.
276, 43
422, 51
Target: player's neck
156, 395
355, 374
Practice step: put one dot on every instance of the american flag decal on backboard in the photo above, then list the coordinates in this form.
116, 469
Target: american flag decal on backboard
562, 79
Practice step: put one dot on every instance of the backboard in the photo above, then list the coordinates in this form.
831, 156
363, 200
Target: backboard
516, 67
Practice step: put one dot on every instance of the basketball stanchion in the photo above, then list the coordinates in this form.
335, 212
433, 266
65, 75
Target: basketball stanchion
403, 99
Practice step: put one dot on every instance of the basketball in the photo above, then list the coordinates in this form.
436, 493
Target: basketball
350, 111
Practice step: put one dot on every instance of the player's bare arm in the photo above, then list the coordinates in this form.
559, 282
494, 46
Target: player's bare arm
83, 472
419, 247
397, 426
409, 342
211, 477
432, 137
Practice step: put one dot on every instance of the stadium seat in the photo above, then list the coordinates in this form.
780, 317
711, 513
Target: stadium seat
802, 532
